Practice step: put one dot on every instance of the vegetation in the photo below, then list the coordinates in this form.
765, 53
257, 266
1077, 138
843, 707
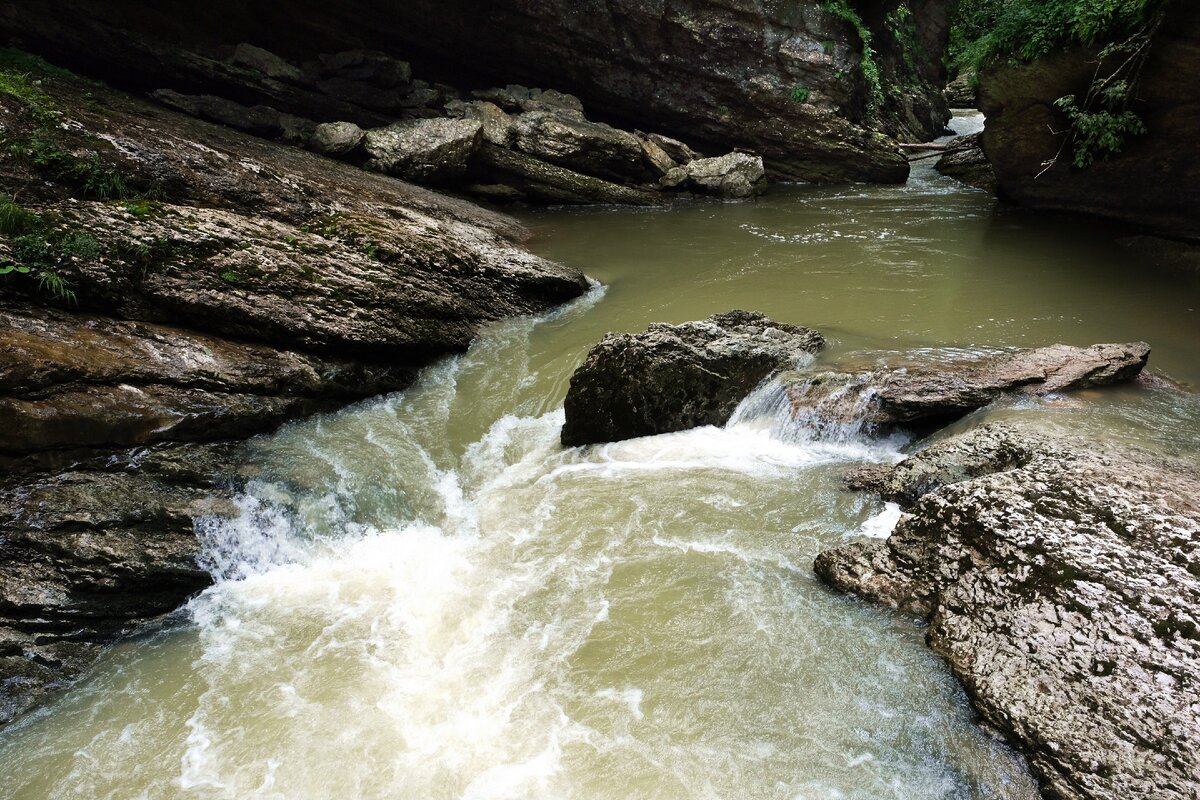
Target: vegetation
984, 32
800, 93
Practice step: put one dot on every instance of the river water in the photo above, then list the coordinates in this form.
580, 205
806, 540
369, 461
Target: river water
428, 597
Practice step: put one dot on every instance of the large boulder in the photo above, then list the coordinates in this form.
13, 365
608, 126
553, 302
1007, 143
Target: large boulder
1061, 583
424, 150
965, 160
527, 177
675, 377
336, 138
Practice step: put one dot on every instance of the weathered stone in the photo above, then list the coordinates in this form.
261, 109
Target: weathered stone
366, 66
656, 158
965, 160
591, 148
923, 394
336, 138
675, 149
498, 128
547, 182
675, 377
1061, 583
424, 150
734, 175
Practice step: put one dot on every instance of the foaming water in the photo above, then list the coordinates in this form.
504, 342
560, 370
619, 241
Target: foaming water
426, 596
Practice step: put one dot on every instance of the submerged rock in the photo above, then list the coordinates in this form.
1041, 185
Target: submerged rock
675, 377
1061, 582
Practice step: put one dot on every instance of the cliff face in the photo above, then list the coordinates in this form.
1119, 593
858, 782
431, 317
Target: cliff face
1153, 183
787, 80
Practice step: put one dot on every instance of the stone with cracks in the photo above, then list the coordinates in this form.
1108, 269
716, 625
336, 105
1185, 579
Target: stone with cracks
424, 150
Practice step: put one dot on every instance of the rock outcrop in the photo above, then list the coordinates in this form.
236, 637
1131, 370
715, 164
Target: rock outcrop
923, 395
1061, 585
1154, 182
816, 88
675, 377
168, 288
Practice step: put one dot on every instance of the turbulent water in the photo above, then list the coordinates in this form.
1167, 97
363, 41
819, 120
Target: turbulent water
426, 596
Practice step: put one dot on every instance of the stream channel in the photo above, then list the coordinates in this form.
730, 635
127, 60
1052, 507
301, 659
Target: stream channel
426, 596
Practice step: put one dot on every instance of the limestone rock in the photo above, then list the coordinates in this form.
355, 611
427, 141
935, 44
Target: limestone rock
734, 175
258, 120
498, 127
675, 377
1061, 584
656, 158
679, 152
336, 138
962, 91
424, 150
264, 61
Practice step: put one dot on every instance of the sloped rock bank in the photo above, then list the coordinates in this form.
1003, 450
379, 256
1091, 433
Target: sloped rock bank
1154, 182
816, 88
1061, 583
169, 288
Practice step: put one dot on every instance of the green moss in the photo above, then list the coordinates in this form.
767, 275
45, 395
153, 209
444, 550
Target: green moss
867, 62
15, 220
800, 93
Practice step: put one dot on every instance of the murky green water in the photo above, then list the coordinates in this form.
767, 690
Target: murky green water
427, 597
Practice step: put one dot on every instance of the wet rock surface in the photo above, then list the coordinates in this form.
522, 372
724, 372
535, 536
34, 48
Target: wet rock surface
932, 394
1060, 580
210, 286
675, 377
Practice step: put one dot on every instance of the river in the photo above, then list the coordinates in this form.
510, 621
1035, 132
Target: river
426, 596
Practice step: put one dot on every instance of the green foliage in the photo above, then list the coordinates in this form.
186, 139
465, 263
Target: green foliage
15, 220
868, 63
229, 276
55, 285
1099, 133
800, 93
983, 31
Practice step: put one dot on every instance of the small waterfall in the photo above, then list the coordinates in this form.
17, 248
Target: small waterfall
822, 407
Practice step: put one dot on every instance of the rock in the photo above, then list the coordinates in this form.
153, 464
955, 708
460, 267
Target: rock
366, 66
257, 120
720, 75
923, 394
264, 61
656, 158
964, 159
424, 150
1154, 182
336, 138
673, 178
498, 128
1061, 584
590, 148
675, 377
734, 175
544, 181
678, 152
962, 91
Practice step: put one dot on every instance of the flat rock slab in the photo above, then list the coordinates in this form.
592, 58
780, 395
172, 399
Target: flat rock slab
935, 394
1063, 586
675, 377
